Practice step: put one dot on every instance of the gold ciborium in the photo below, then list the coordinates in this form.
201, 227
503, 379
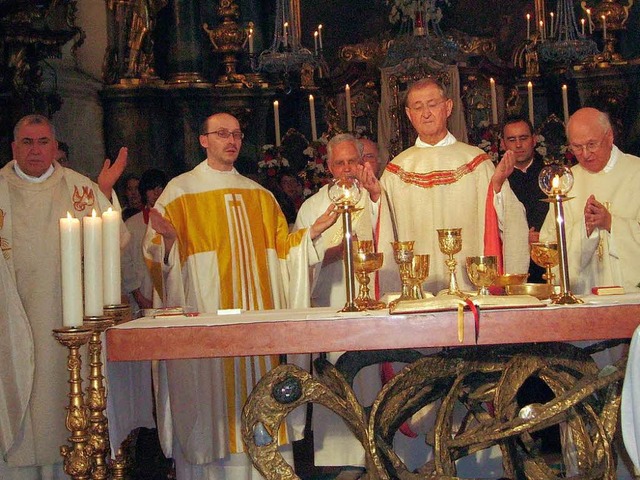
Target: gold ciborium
482, 271
545, 255
450, 242
403, 255
419, 273
365, 262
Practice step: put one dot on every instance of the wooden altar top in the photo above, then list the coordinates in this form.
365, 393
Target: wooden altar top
323, 330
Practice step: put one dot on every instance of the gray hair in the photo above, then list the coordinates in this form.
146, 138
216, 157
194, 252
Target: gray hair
340, 138
423, 83
33, 119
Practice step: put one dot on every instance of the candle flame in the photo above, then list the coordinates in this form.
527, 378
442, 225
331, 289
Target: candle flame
93, 213
109, 210
555, 183
311, 97
347, 87
528, 16
286, 24
320, 27
315, 34
588, 11
275, 103
69, 217
530, 84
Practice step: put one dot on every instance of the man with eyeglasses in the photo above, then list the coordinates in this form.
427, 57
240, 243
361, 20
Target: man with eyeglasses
35, 193
443, 183
602, 220
518, 137
218, 240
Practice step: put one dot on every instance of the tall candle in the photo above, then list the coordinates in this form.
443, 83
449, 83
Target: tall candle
551, 14
71, 270
528, 26
530, 97
92, 239
604, 27
582, 23
494, 102
565, 104
315, 41
320, 36
347, 99
276, 121
111, 257
285, 34
541, 30
589, 20
312, 114
251, 40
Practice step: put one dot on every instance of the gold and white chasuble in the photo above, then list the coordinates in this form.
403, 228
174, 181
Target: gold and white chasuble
233, 251
426, 188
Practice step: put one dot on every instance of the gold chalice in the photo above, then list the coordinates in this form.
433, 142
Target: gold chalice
366, 261
403, 255
482, 271
450, 242
419, 273
545, 255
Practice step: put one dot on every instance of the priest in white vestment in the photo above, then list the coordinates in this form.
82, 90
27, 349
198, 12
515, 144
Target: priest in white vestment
35, 193
602, 220
218, 240
334, 443
443, 183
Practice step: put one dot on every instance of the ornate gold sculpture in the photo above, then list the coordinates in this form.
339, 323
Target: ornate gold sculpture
586, 399
403, 256
545, 255
482, 271
78, 460
366, 261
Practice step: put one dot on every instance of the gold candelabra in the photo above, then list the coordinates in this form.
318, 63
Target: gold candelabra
78, 459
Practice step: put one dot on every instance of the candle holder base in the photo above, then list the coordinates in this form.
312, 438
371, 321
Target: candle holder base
566, 298
118, 313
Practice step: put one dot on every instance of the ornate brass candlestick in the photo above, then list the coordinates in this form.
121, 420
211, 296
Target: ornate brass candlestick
556, 181
345, 194
118, 313
450, 242
366, 261
97, 399
77, 456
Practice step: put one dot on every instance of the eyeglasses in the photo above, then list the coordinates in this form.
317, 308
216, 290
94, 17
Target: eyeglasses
431, 106
224, 134
590, 147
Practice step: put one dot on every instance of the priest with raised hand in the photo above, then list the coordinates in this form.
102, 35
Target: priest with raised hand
35, 193
443, 183
218, 240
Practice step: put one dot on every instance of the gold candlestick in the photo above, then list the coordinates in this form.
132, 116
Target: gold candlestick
450, 242
119, 313
97, 399
556, 181
77, 456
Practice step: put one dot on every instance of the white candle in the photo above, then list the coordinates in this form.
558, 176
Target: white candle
71, 270
604, 27
320, 36
276, 121
565, 104
251, 40
528, 26
111, 257
582, 23
530, 97
315, 41
541, 30
92, 239
312, 114
494, 102
285, 35
347, 99
551, 24
589, 20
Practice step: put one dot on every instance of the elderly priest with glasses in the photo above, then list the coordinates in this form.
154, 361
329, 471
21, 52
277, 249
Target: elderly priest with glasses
218, 240
603, 219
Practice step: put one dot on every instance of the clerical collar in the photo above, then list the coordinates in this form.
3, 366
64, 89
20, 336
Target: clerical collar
449, 139
31, 179
525, 168
613, 159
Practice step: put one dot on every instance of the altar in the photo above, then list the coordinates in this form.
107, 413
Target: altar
511, 345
